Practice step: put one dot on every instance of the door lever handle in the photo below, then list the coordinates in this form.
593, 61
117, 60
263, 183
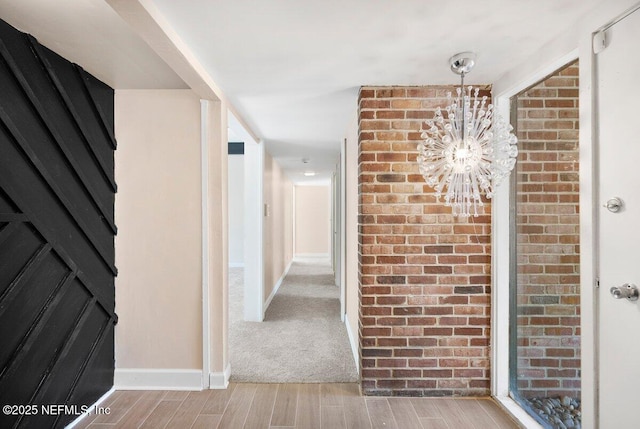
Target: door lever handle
627, 290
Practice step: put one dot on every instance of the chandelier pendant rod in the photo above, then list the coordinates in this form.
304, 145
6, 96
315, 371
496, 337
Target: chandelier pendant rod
464, 113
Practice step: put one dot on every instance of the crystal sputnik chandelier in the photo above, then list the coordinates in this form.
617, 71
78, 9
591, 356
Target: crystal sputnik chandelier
468, 149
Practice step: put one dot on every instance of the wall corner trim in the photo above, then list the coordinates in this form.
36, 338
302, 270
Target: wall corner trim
220, 380
353, 342
157, 379
204, 200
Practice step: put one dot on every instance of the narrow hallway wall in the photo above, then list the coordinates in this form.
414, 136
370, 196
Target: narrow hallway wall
278, 224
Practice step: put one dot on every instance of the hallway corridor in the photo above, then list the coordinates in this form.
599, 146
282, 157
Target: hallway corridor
302, 338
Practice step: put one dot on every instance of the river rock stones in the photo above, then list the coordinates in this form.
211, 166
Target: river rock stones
559, 413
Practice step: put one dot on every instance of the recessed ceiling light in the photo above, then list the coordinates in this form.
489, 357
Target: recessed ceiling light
309, 173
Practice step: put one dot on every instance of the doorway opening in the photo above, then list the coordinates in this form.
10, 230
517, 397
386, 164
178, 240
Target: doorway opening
285, 318
545, 252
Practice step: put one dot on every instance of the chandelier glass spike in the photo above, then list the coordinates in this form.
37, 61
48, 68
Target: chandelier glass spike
468, 149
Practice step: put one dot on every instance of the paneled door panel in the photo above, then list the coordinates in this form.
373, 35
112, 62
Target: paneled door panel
57, 233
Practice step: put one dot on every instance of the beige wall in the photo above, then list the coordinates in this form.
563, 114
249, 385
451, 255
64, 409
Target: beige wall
351, 228
158, 213
313, 220
278, 224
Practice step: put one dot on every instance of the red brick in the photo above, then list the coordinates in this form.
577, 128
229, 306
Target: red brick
376, 373
423, 342
376, 311
406, 373
438, 331
421, 384
390, 177
366, 93
376, 332
438, 249
373, 146
391, 259
376, 290
387, 114
383, 219
453, 363
418, 114
390, 135
391, 300
391, 279
374, 104
422, 279
438, 310
423, 363
422, 92
391, 321
405, 104
406, 269
391, 363
421, 321
392, 342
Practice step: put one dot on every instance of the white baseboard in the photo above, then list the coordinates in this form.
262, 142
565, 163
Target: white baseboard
157, 379
220, 380
236, 264
91, 409
354, 343
275, 289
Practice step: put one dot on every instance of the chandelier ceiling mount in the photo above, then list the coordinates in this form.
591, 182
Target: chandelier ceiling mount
462, 63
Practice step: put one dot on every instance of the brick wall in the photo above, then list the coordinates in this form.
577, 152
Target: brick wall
548, 238
424, 275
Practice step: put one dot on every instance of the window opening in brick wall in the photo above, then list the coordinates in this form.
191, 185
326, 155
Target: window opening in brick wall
545, 289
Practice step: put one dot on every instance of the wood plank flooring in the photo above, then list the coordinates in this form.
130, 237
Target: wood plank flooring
293, 406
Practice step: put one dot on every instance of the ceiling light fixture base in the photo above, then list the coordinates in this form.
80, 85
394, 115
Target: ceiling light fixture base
463, 62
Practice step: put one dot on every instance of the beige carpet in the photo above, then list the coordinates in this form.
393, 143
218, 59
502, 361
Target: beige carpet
301, 339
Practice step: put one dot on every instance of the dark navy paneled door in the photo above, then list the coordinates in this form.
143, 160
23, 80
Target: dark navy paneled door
56, 235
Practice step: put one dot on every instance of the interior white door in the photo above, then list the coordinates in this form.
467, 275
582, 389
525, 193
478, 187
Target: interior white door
619, 236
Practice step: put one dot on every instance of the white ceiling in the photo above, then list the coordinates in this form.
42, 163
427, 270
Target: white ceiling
292, 68
91, 34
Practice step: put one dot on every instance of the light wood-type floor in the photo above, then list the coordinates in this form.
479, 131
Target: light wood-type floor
279, 406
